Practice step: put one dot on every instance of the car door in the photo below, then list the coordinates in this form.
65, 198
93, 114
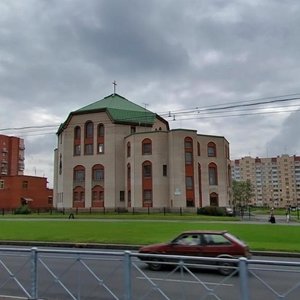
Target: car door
186, 244
216, 244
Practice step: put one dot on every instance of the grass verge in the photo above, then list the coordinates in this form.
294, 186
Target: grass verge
272, 237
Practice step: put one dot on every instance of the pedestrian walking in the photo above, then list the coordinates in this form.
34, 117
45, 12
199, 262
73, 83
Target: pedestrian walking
272, 218
288, 214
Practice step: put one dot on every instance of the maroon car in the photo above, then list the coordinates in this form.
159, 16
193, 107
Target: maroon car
219, 244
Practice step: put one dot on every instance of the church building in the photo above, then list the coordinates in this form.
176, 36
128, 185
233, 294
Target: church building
116, 154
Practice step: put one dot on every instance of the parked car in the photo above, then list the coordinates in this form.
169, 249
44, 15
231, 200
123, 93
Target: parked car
219, 244
229, 211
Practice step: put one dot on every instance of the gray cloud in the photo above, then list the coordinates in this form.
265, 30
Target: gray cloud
57, 56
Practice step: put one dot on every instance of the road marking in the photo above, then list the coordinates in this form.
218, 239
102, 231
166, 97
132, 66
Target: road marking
186, 281
2, 297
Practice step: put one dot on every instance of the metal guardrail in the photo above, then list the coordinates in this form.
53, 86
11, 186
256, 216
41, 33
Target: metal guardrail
38, 273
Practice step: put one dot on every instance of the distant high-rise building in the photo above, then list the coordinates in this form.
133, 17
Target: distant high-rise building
276, 180
12, 155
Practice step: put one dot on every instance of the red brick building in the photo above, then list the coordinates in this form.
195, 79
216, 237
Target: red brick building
20, 189
11, 155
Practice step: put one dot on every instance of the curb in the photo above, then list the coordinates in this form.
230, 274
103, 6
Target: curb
122, 247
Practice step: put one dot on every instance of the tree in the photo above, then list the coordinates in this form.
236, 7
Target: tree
242, 192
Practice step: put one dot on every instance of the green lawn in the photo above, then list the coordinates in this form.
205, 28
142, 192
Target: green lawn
273, 237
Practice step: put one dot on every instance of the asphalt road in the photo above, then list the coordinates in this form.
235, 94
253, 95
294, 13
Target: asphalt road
90, 276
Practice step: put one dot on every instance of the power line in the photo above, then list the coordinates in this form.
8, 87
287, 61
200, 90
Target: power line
215, 111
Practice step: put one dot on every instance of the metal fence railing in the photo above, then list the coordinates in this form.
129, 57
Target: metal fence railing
40, 273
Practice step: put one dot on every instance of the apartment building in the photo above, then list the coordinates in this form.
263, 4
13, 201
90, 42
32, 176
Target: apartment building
12, 155
276, 180
24, 189
116, 154
15, 187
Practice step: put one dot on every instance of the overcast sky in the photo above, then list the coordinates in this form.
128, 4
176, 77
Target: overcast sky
177, 57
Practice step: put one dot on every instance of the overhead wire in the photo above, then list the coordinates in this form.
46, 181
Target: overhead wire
204, 112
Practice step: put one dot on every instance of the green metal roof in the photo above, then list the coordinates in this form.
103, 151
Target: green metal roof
120, 110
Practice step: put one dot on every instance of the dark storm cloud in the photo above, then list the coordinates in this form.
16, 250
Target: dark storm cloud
57, 56
286, 140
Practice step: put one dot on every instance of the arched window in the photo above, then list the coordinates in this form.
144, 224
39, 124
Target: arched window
97, 196
88, 140
214, 199
146, 147
79, 175
77, 140
89, 129
98, 173
211, 149
188, 143
78, 196
77, 133
100, 138
147, 169
100, 130
188, 150
212, 174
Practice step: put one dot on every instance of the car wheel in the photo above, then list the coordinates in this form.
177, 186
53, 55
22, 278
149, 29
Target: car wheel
155, 264
226, 268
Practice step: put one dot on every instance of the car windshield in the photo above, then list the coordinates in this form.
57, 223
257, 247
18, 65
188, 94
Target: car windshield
234, 238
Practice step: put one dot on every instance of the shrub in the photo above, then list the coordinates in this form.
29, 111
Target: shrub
23, 210
211, 211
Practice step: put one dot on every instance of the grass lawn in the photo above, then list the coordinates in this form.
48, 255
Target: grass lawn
273, 237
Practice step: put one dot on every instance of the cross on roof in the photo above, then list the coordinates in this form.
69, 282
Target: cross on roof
115, 84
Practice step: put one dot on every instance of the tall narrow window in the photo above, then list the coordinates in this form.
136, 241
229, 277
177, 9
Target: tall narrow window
128, 172
100, 139
122, 196
189, 171
147, 197
146, 147
77, 133
147, 170
198, 149
189, 182
214, 199
212, 174
128, 149
89, 129
188, 158
128, 185
77, 140
200, 185
211, 149
100, 130
147, 184
89, 138
88, 149
165, 170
